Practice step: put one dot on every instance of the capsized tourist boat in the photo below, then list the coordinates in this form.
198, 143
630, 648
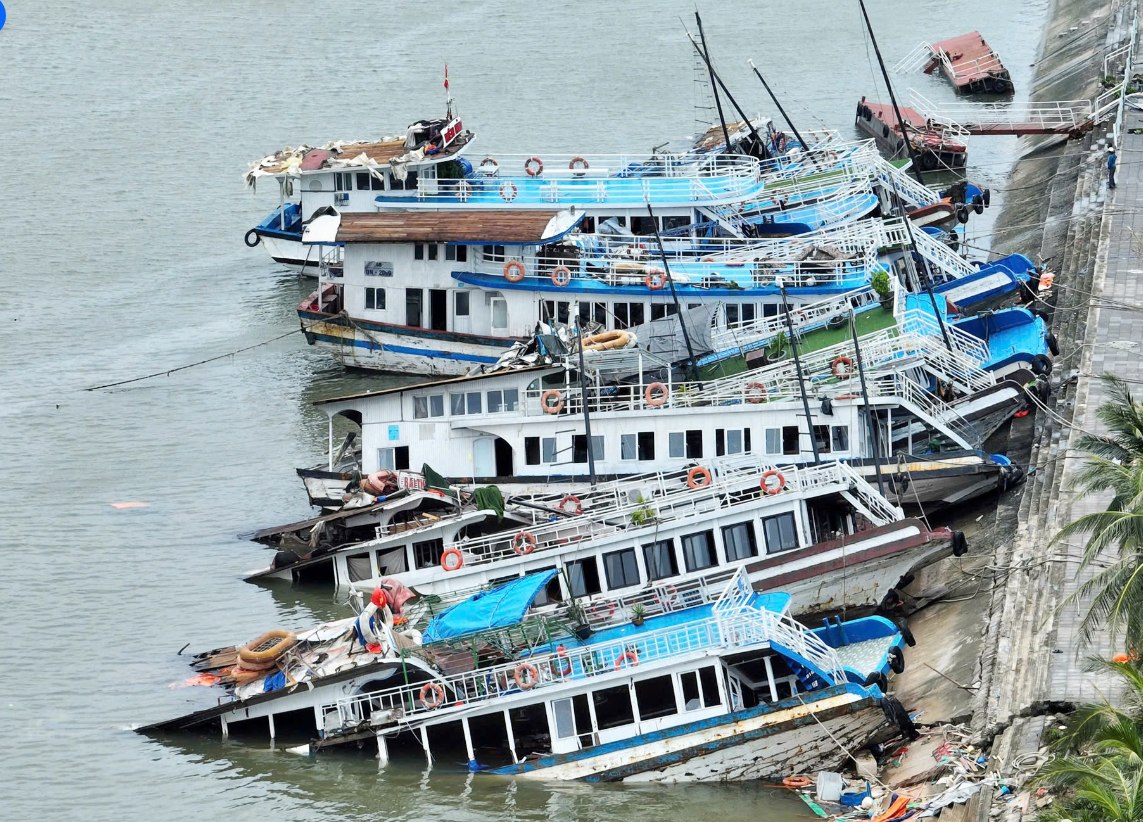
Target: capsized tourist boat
937, 146
818, 532
729, 688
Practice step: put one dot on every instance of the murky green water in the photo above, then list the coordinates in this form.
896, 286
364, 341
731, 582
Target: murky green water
127, 127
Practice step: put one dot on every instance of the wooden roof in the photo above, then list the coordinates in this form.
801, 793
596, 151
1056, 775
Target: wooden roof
380, 152
521, 226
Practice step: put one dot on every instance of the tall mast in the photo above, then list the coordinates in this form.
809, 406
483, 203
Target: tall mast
753, 132
870, 418
778, 105
713, 85
801, 379
692, 368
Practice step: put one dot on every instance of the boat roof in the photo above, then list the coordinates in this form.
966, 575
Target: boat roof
420, 386
501, 607
462, 227
335, 155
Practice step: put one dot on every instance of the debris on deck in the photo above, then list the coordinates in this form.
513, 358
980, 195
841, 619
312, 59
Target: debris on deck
936, 145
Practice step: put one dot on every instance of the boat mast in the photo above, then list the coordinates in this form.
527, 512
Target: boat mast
713, 84
892, 96
782, 111
749, 124
870, 418
584, 399
692, 368
798, 366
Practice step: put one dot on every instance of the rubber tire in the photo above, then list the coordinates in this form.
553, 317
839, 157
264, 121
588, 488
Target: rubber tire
877, 678
987, 197
928, 161
978, 204
906, 634
961, 214
1041, 365
960, 544
1053, 345
867, 114
890, 601
1043, 389
896, 661
284, 559
257, 238
896, 714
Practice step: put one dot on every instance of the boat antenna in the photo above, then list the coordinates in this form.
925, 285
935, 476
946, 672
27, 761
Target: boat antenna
584, 398
798, 366
448, 96
782, 111
713, 84
870, 418
692, 368
749, 123
892, 96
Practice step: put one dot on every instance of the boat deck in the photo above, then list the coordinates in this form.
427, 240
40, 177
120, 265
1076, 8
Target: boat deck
866, 656
971, 64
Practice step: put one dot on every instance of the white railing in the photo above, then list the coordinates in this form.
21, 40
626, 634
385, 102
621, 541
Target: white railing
739, 627
1059, 115
911, 191
918, 58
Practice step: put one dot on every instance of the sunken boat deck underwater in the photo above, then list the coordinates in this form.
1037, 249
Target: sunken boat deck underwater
529, 441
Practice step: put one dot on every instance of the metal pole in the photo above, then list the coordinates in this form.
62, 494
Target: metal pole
713, 85
692, 369
869, 416
892, 96
753, 131
584, 400
778, 105
798, 366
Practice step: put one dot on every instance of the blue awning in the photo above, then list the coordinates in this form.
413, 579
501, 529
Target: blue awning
502, 606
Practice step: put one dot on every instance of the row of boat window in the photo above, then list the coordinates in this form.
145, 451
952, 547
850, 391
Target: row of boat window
366, 181
460, 404
698, 551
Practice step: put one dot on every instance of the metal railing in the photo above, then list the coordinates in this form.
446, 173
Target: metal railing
906, 186
1059, 115
738, 625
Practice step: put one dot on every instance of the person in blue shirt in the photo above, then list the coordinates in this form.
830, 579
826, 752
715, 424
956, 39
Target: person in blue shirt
1112, 162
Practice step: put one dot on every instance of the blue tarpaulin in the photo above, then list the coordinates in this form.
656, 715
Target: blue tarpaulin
502, 606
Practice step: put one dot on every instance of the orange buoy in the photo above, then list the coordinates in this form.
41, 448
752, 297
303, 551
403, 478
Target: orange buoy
547, 404
452, 560
513, 271
698, 477
523, 543
777, 486
561, 276
655, 395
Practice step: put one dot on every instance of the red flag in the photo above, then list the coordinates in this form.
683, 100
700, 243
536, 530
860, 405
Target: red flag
446, 76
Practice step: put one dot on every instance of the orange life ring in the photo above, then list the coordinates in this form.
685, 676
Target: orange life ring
693, 477
513, 271
571, 505
627, 656
488, 160
668, 597
649, 394
579, 164
526, 676
438, 694
603, 609
755, 392
561, 275
523, 543
547, 406
655, 279
452, 560
562, 653
735, 264
842, 367
539, 166
795, 782
508, 191
773, 488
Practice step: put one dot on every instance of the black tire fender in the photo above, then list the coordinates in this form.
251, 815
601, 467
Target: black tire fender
896, 661
987, 197
1053, 345
877, 678
252, 233
906, 634
961, 214
959, 544
1041, 365
891, 600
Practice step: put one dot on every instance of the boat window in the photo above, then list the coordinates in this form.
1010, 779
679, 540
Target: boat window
343, 182
530, 730
434, 251
628, 314
841, 438
660, 311
698, 551
493, 253
670, 223
593, 312
427, 554
392, 561
555, 311
359, 568
375, 298
565, 718
769, 310
692, 695
499, 313
430, 406
456, 253
780, 532
659, 557
386, 458
655, 697
461, 304
739, 541
583, 577
791, 440
315, 184
418, 251
731, 315
642, 225
731, 441
708, 678
821, 436
378, 269
773, 440
503, 400
685, 444
613, 707
748, 313
551, 592
539, 450
408, 184
366, 181
579, 447
548, 450
621, 569
468, 403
